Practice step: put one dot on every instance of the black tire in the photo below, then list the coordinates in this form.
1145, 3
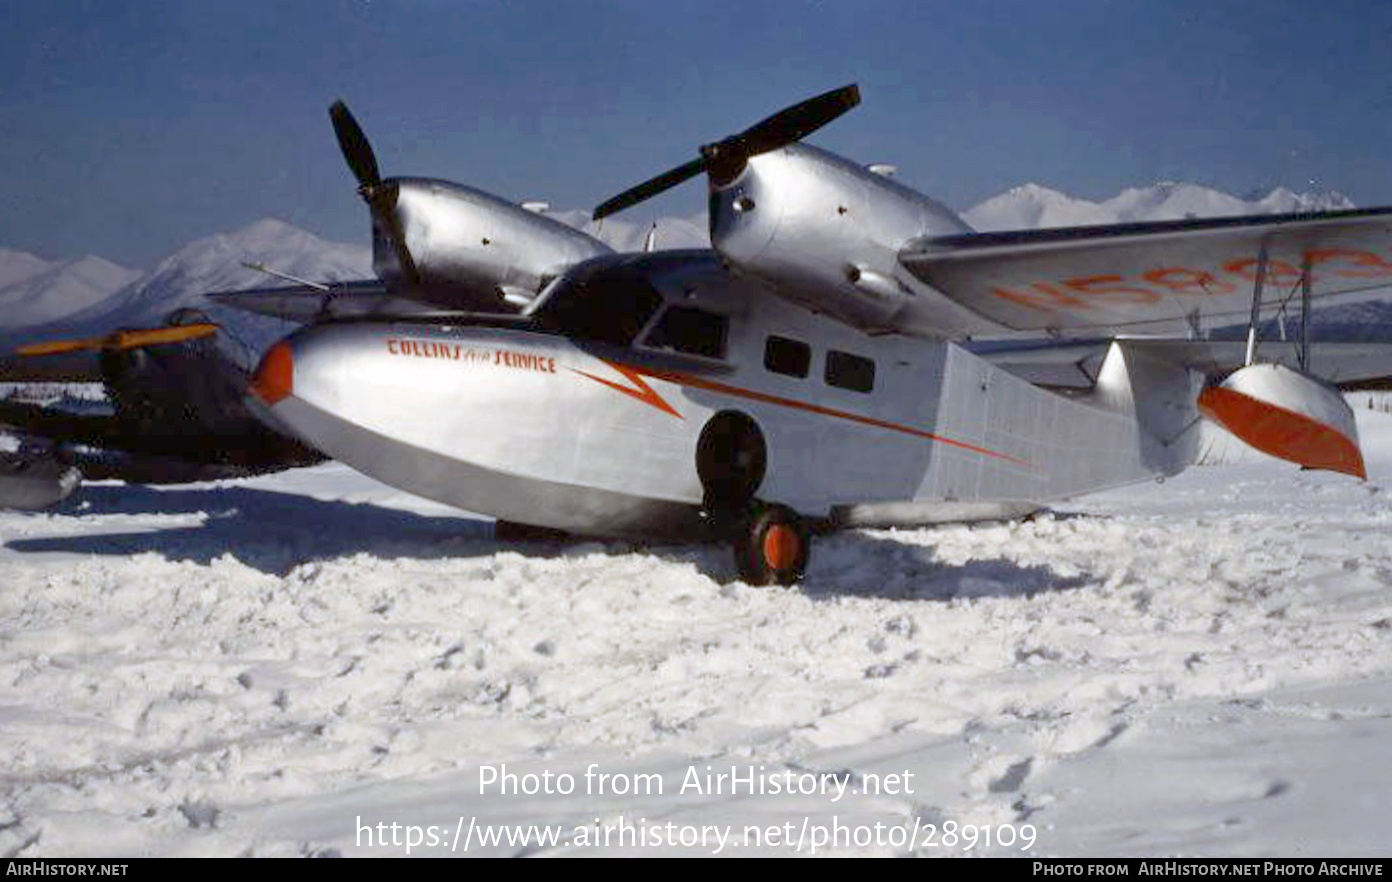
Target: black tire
774, 547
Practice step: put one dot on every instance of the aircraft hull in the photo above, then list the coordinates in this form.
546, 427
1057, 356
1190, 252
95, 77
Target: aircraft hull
535, 428
498, 422
447, 478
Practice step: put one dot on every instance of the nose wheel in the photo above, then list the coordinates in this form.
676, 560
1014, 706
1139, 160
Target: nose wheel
773, 546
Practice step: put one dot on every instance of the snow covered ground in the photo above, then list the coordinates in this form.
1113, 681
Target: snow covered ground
277, 666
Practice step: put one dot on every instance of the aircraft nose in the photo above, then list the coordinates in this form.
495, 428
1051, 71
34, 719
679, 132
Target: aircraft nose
274, 379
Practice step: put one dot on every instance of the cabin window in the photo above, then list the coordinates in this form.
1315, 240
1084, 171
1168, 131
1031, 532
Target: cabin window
691, 331
784, 356
846, 371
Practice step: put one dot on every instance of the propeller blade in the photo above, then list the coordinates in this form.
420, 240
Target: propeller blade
381, 198
724, 160
797, 122
651, 187
356, 149
382, 203
56, 347
156, 336
122, 340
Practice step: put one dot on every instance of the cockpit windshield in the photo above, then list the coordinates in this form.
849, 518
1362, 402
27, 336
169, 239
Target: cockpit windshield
600, 301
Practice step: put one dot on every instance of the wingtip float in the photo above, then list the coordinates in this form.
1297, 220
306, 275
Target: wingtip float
1289, 415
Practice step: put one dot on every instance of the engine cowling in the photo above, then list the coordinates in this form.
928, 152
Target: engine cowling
472, 250
826, 233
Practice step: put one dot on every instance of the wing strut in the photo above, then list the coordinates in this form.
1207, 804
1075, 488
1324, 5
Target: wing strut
1305, 313
1303, 347
1256, 308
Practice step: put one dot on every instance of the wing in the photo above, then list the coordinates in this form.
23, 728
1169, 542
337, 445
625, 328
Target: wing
307, 303
1156, 277
347, 300
64, 367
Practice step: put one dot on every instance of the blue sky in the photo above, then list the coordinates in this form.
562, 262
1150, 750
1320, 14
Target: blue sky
131, 128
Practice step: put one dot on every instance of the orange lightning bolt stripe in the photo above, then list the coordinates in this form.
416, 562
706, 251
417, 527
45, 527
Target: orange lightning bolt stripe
646, 394
640, 389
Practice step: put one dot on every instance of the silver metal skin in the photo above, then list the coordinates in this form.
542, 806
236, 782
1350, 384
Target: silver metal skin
843, 240
1180, 277
826, 233
473, 250
529, 425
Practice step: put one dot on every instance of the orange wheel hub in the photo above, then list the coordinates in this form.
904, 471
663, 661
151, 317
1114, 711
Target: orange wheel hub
781, 546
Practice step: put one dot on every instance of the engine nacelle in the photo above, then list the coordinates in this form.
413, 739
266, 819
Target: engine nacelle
472, 250
826, 233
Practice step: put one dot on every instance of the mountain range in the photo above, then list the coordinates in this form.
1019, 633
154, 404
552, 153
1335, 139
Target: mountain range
41, 299
34, 291
1031, 206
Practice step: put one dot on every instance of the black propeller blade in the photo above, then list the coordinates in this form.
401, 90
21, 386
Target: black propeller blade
724, 160
356, 150
380, 196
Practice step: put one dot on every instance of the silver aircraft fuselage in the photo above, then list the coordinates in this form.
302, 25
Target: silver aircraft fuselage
586, 414
805, 363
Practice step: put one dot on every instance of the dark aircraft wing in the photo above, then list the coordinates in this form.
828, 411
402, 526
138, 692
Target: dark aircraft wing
71, 367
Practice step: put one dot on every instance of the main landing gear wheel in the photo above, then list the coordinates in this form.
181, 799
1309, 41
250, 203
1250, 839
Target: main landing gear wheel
773, 548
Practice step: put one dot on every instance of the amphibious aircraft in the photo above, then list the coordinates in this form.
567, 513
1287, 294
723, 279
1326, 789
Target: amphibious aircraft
813, 370
176, 394
174, 412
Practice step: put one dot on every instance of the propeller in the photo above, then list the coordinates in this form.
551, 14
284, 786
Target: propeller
380, 195
724, 160
122, 340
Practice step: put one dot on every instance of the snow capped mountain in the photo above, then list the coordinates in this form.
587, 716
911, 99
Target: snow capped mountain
90, 295
1282, 201
34, 291
211, 264
16, 266
215, 264
1032, 206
